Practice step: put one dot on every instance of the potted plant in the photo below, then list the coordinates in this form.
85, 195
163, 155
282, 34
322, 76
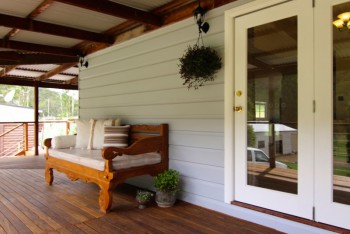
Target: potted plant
142, 197
199, 65
167, 185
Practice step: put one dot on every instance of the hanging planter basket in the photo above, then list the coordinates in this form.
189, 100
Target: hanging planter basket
198, 65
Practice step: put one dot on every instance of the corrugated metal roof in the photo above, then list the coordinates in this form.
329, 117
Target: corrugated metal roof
4, 31
18, 7
62, 77
76, 17
142, 5
39, 67
40, 45
25, 73
45, 39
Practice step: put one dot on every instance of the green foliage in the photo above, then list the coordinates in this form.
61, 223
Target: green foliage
251, 136
167, 181
198, 65
143, 196
53, 104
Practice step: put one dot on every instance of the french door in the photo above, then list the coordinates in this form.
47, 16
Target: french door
273, 106
292, 109
332, 116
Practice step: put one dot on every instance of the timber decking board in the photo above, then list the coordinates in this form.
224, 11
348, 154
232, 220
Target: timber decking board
28, 205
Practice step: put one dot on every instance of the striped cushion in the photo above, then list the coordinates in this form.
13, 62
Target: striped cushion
97, 131
116, 136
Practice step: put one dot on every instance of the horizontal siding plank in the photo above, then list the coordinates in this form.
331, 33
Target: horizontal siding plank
199, 171
202, 188
197, 139
197, 155
171, 96
209, 109
165, 68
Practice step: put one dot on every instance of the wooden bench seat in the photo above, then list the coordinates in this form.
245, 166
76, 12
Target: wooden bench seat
143, 139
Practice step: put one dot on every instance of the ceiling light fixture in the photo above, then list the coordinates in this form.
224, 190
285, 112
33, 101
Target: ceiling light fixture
343, 21
199, 15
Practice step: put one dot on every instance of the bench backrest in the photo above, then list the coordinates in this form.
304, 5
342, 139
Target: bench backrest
138, 132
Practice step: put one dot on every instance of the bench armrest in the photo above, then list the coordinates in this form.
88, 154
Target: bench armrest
146, 145
47, 142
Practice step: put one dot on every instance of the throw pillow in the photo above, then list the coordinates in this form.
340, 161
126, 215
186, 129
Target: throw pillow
97, 131
116, 136
63, 142
83, 132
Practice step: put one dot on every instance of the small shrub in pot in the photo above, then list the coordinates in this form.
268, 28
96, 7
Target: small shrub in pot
167, 185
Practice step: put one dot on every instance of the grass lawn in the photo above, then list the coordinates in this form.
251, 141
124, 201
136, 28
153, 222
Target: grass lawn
342, 171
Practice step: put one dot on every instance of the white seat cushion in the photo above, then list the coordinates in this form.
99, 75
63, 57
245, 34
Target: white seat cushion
93, 158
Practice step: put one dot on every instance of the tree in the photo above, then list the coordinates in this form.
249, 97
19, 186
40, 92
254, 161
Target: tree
251, 141
53, 103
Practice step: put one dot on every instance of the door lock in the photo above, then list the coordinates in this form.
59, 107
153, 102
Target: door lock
238, 108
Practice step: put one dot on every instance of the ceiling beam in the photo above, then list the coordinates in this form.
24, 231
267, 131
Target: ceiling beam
7, 69
15, 58
37, 11
24, 46
55, 71
8, 80
117, 10
75, 81
40, 9
53, 29
171, 12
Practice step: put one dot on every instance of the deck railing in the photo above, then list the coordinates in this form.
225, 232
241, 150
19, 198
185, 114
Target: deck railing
18, 138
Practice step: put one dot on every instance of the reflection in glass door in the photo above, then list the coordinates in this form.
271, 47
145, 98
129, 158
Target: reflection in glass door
273, 108
341, 104
272, 103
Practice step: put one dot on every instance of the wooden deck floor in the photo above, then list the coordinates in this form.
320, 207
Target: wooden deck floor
28, 205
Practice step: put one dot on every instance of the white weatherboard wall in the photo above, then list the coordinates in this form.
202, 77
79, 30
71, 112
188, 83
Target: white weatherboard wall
139, 82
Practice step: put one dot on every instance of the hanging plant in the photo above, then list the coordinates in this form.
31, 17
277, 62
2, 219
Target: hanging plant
199, 65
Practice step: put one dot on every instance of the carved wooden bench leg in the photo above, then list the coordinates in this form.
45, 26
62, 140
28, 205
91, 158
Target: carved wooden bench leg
48, 175
106, 197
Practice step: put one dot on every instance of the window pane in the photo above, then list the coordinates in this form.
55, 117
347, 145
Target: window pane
341, 110
272, 105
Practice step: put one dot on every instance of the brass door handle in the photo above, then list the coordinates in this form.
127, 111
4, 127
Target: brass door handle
238, 108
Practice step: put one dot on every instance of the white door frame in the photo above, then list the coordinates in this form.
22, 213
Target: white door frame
300, 204
230, 16
327, 211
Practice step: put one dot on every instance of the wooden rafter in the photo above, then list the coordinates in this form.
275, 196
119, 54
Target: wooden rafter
8, 80
42, 7
53, 29
73, 81
39, 9
7, 69
117, 10
55, 71
138, 22
172, 12
18, 58
24, 46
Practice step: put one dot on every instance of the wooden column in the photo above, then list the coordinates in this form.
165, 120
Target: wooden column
36, 118
67, 127
26, 139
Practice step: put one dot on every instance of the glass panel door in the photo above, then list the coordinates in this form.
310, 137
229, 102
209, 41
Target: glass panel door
272, 114
332, 144
273, 124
